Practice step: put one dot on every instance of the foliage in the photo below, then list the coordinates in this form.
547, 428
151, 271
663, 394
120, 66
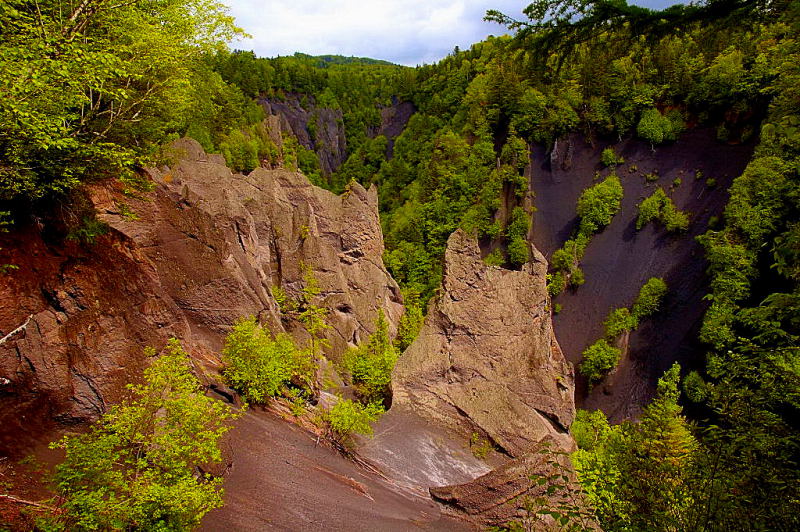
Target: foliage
610, 158
349, 417
136, 468
411, 321
92, 90
517, 233
638, 475
260, 367
649, 299
602, 356
659, 206
620, 320
598, 204
598, 359
312, 316
657, 128
370, 364
560, 503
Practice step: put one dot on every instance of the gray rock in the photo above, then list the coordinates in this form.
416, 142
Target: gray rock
486, 359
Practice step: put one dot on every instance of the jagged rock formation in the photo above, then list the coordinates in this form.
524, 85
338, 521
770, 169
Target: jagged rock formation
486, 359
207, 248
329, 141
499, 496
295, 113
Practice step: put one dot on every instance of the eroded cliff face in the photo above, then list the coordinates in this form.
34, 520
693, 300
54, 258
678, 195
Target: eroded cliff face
207, 247
329, 140
486, 359
298, 116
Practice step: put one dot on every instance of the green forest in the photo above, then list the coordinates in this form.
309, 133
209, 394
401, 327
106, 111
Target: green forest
95, 90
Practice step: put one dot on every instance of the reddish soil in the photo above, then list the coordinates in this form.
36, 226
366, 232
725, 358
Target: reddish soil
620, 259
281, 479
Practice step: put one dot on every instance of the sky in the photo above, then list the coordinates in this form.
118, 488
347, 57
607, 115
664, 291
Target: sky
407, 32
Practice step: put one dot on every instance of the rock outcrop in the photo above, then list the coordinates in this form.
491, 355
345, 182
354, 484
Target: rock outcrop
299, 116
501, 495
205, 248
486, 359
328, 141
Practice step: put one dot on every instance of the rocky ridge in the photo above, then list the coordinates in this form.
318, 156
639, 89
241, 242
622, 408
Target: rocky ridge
205, 248
486, 359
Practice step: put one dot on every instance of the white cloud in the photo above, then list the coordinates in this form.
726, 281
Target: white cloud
402, 31
408, 32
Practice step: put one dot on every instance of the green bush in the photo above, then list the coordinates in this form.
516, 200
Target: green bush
649, 299
657, 128
347, 417
137, 467
370, 364
673, 219
516, 233
495, 258
259, 366
598, 359
650, 208
610, 158
411, 321
658, 206
556, 283
598, 204
620, 320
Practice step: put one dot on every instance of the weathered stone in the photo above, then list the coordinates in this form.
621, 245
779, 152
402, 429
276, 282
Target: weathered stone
486, 359
205, 249
505, 493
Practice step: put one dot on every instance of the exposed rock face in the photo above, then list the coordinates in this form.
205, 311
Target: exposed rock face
207, 248
620, 259
251, 233
295, 113
73, 324
329, 141
486, 358
498, 496
393, 121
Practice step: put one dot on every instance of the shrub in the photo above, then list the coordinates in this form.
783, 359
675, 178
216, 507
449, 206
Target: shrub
598, 204
348, 417
656, 128
619, 321
136, 468
556, 283
598, 359
650, 208
260, 367
673, 219
518, 253
649, 299
495, 258
516, 233
411, 321
658, 206
610, 158
370, 364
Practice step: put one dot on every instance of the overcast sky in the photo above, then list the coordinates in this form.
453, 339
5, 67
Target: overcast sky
408, 32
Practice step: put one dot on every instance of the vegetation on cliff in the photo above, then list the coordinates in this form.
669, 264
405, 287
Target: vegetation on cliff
140, 467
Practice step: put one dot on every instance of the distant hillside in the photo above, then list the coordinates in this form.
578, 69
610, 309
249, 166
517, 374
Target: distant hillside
326, 60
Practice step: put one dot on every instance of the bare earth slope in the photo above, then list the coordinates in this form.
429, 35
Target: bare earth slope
620, 259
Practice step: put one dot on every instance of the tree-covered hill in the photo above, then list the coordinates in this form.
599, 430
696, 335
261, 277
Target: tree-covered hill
92, 90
